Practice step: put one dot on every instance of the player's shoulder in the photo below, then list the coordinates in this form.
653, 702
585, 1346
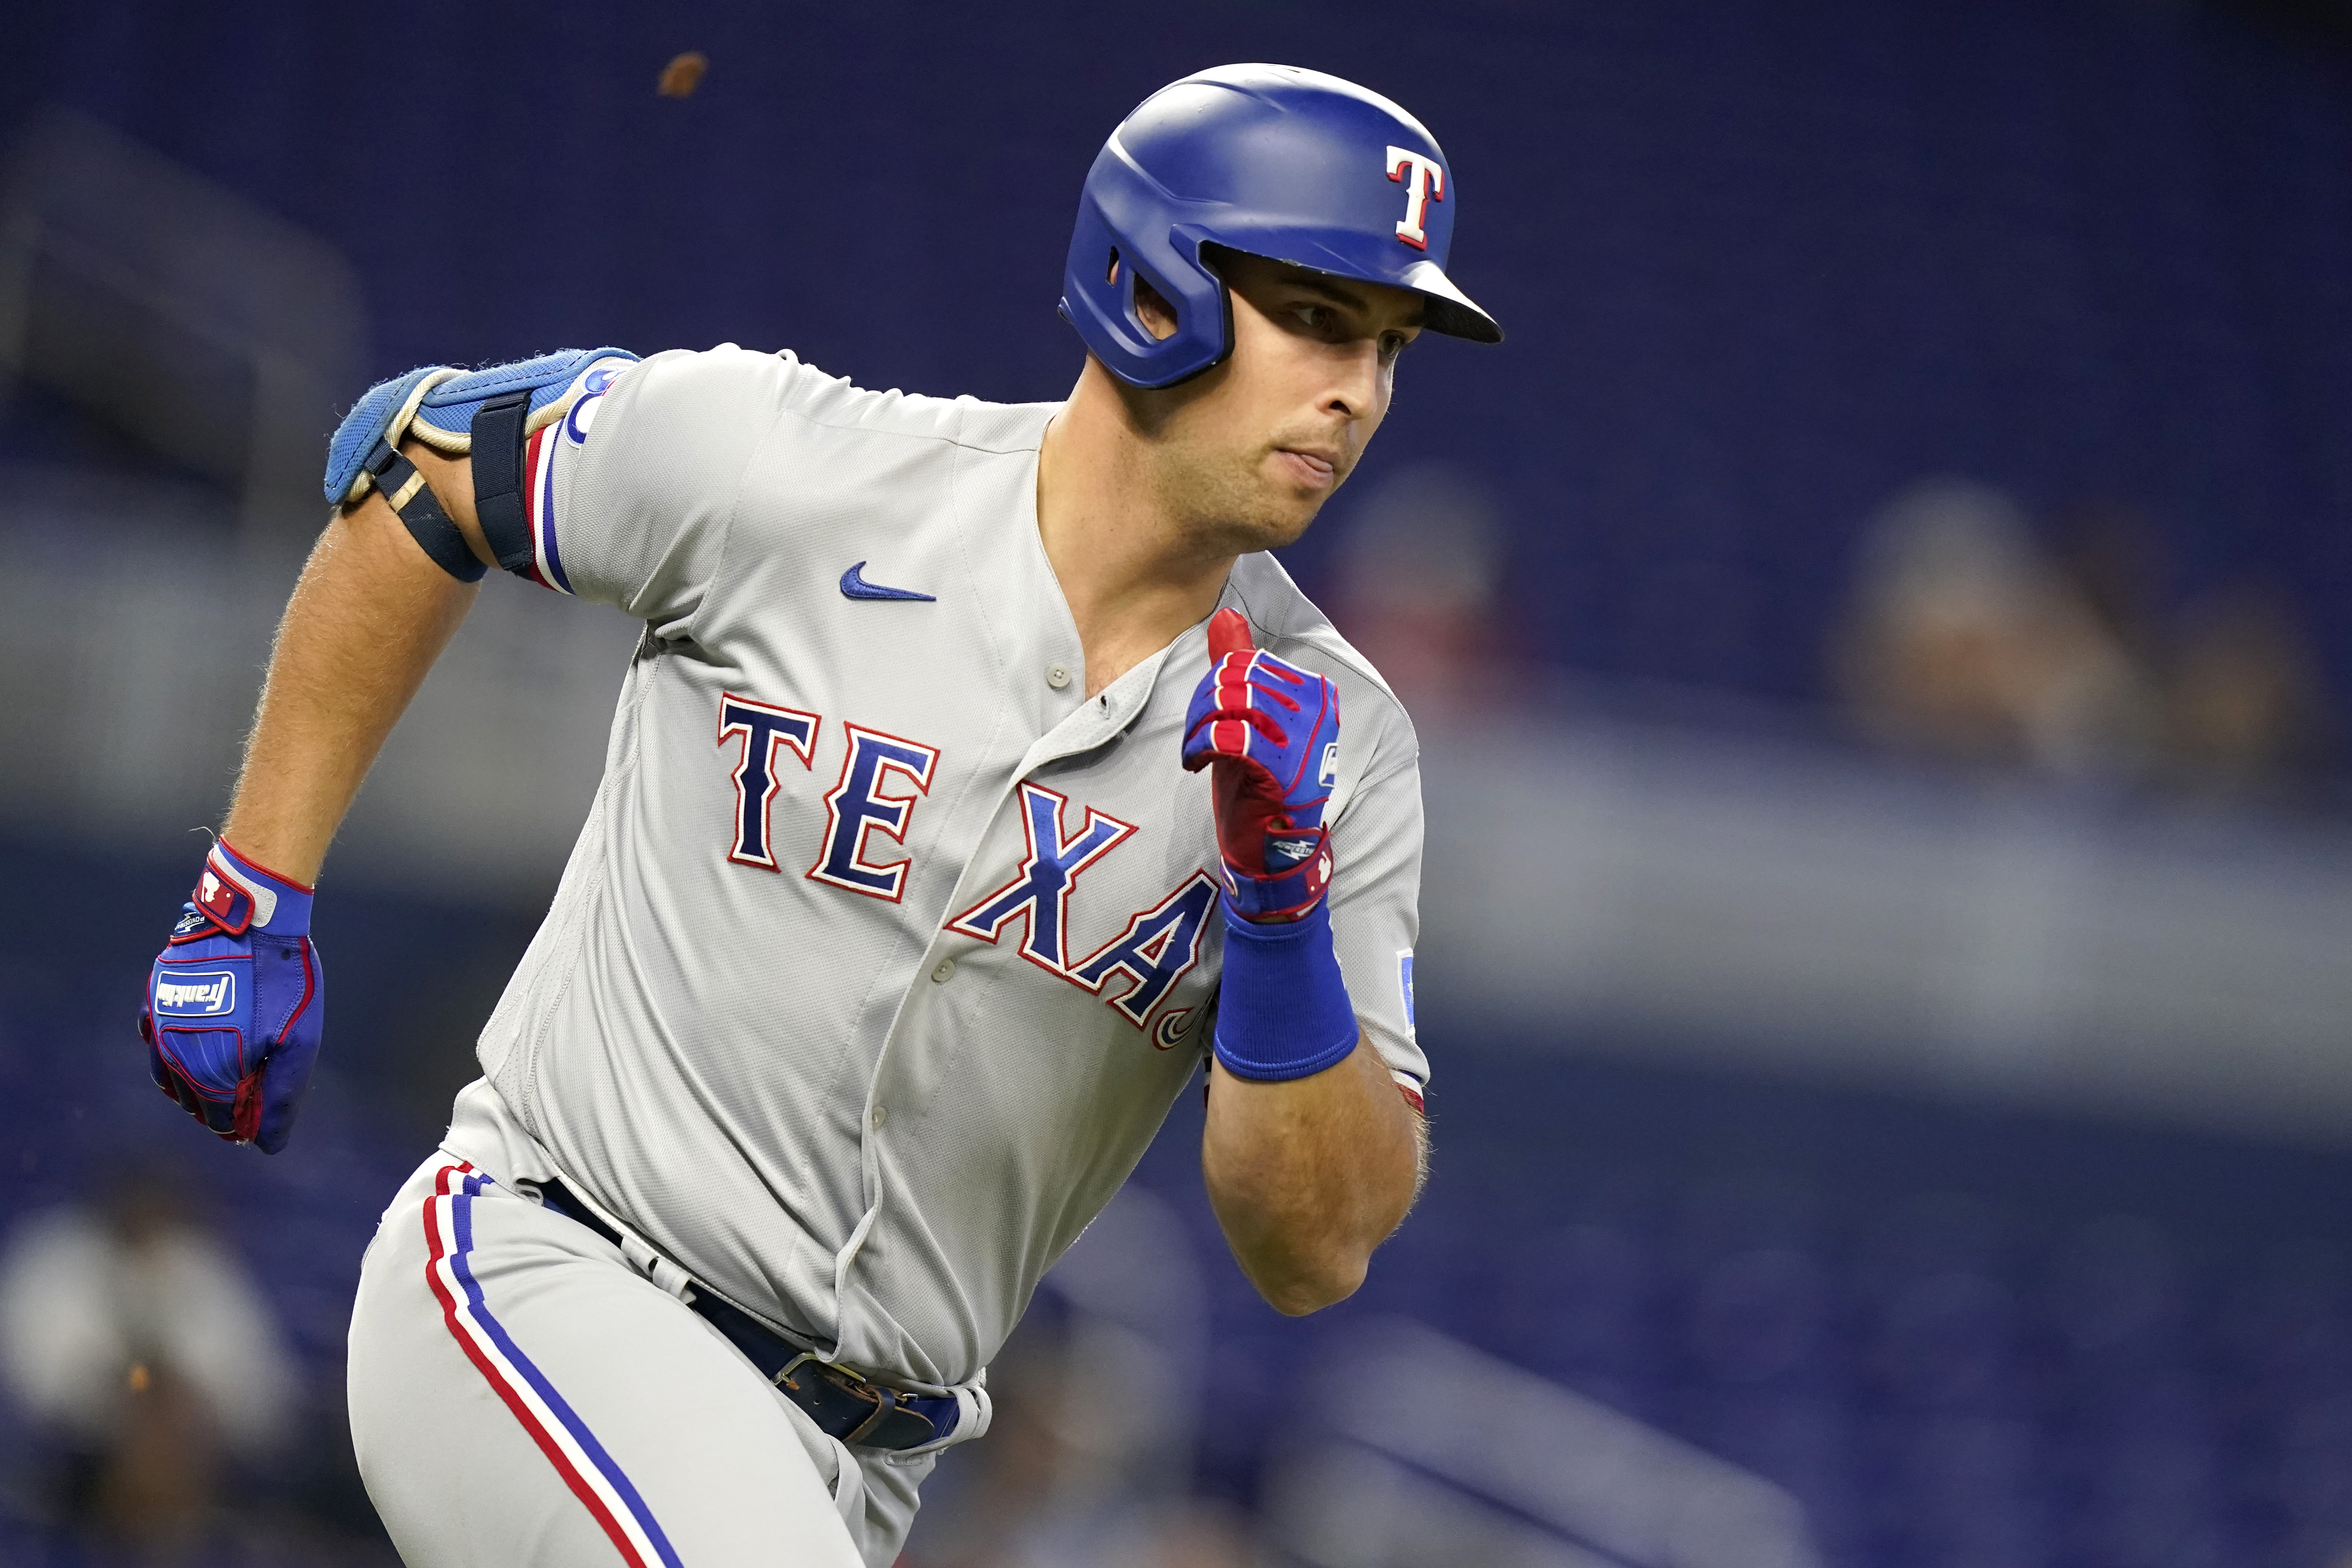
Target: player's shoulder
1290, 626
800, 394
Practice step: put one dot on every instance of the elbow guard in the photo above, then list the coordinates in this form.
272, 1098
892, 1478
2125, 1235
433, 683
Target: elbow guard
487, 415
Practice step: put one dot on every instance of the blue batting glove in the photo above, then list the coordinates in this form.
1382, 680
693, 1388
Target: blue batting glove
1271, 731
236, 1002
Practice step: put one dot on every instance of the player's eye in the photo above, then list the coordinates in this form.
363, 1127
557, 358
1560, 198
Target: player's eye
1313, 318
1391, 345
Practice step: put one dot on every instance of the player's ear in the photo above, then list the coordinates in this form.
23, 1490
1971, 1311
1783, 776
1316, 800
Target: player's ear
1158, 317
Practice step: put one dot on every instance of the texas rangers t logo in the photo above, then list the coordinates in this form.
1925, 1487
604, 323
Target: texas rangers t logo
1424, 181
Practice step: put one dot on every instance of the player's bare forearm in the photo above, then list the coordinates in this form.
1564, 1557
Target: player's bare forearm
1308, 1175
368, 618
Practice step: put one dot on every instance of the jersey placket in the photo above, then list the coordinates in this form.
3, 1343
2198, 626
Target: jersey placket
1094, 723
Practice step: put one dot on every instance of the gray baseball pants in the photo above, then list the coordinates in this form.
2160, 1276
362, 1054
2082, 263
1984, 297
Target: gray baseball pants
521, 1397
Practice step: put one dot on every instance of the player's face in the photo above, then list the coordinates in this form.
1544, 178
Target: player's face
1252, 449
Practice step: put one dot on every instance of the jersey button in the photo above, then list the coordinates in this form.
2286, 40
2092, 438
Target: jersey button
941, 971
1056, 677
880, 1116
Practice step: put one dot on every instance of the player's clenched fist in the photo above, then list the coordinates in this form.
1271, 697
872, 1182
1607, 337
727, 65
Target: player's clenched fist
1271, 731
234, 1001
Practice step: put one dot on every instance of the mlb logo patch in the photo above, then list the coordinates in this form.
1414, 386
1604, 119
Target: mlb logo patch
1404, 985
216, 896
197, 993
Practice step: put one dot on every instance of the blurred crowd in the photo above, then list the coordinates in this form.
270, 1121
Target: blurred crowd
149, 1364
1974, 636
1419, 591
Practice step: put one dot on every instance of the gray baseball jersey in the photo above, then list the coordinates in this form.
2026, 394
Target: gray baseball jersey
886, 948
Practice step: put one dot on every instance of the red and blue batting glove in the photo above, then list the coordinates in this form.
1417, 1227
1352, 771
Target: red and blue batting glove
1271, 729
236, 1002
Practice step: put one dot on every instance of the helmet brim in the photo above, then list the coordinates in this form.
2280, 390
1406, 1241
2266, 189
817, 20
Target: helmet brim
1451, 311
1447, 309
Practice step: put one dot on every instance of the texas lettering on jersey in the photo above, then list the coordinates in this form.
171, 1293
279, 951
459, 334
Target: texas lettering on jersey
1155, 951
1039, 896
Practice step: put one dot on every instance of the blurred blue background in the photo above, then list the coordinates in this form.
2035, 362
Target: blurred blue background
1878, 630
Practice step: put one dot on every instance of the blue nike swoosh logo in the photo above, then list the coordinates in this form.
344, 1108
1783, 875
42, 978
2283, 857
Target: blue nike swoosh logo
854, 586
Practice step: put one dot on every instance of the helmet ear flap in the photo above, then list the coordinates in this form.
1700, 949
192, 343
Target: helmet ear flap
1107, 258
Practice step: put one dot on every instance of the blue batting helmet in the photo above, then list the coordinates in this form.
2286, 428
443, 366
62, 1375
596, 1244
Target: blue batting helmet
1274, 160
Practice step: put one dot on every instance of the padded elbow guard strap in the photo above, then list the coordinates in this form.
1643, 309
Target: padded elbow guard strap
420, 510
486, 416
489, 416
497, 437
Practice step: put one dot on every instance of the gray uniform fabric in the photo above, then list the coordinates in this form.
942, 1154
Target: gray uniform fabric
720, 1470
789, 1020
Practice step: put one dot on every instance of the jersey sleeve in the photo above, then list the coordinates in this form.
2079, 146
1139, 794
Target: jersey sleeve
1376, 900
631, 496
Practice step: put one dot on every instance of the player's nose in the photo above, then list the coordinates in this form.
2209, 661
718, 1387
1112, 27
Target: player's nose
1354, 389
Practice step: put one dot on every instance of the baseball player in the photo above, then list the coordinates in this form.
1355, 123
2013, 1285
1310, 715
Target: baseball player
977, 775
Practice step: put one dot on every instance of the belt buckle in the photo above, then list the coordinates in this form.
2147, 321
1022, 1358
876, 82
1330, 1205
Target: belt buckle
783, 1379
882, 1402
841, 1378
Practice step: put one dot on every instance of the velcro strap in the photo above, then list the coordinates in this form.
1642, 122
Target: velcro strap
218, 907
420, 510
497, 432
1279, 893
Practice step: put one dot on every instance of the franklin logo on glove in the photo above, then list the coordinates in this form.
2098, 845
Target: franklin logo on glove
197, 995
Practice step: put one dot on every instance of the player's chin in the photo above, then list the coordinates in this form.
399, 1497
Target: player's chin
1284, 519
1268, 525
